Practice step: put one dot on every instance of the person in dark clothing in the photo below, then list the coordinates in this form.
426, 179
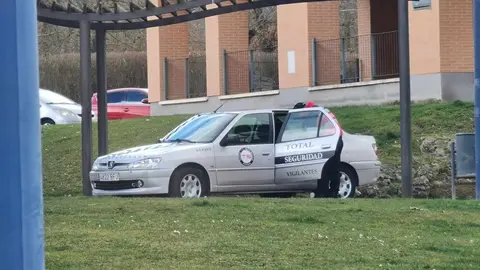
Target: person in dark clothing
331, 174
299, 105
328, 187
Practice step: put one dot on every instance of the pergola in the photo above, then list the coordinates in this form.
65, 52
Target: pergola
21, 196
129, 15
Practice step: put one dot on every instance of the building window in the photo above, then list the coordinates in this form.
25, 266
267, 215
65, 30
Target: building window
422, 4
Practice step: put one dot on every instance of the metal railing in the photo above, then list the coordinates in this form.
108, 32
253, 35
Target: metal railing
184, 77
249, 71
355, 59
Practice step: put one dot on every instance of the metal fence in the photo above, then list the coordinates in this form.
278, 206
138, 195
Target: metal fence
355, 59
185, 77
249, 71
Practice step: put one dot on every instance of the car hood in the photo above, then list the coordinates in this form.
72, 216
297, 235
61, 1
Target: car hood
75, 108
147, 151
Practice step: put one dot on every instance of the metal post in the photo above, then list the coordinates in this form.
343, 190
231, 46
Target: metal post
251, 68
314, 62
165, 79
357, 70
86, 95
21, 201
187, 79
476, 44
225, 72
405, 125
344, 66
454, 169
102, 92
373, 55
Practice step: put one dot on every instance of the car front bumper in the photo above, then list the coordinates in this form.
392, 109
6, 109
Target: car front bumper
134, 182
67, 120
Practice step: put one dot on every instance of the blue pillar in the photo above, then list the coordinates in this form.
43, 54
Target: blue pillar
21, 205
476, 49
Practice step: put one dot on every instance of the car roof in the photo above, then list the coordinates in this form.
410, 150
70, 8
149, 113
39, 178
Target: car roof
127, 89
269, 110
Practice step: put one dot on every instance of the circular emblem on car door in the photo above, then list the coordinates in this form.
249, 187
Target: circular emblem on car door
245, 156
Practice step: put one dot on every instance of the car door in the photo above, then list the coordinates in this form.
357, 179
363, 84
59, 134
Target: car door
247, 158
307, 140
134, 107
115, 104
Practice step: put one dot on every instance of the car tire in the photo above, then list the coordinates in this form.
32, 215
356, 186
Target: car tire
47, 122
348, 181
278, 195
188, 182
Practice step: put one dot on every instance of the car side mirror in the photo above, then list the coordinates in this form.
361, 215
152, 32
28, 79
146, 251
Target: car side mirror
145, 101
224, 142
227, 141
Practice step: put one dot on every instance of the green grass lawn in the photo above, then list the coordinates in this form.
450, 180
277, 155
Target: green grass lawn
247, 233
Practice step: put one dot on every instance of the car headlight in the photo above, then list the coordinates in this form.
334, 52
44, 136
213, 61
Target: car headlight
149, 163
64, 112
95, 166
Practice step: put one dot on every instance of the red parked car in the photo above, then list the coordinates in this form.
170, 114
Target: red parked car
125, 103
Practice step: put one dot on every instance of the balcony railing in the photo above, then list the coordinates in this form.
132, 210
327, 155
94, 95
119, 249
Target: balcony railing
355, 59
346, 60
185, 77
242, 72
249, 71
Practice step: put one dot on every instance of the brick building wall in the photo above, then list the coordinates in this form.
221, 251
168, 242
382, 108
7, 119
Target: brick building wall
424, 40
441, 39
226, 32
456, 36
364, 42
169, 42
324, 25
298, 24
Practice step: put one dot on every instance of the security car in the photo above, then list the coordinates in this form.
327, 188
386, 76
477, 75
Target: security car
268, 152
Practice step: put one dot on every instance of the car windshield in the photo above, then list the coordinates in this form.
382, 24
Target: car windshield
49, 97
201, 128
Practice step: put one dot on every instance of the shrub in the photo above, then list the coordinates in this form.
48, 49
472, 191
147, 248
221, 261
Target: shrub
61, 73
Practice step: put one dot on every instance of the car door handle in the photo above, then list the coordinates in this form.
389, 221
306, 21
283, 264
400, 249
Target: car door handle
126, 110
265, 154
326, 146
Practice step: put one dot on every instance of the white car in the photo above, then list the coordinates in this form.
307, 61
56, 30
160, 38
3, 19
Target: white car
268, 152
56, 109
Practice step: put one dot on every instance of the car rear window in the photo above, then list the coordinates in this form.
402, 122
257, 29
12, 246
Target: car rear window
327, 128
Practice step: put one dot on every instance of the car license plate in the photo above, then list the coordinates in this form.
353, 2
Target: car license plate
109, 177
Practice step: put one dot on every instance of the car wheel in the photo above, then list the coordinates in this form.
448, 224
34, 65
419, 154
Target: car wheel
47, 122
188, 183
348, 182
278, 195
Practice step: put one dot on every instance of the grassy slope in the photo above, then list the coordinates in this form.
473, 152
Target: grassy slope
246, 233
62, 155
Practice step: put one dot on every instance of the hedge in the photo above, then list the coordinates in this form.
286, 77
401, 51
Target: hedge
61, 73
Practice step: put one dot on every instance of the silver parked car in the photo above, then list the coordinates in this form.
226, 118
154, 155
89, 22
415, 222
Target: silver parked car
269, 152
